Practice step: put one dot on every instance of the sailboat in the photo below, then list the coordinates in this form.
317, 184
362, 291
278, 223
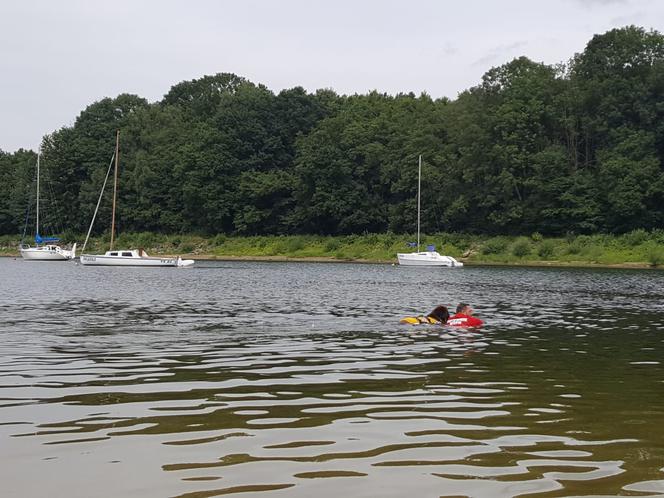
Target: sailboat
429, 257
123, 257
45, 249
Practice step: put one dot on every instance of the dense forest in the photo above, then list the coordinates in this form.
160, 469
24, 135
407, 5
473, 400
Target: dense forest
572, 148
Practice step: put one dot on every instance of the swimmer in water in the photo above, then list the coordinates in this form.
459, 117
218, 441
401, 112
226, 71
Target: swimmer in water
464, 317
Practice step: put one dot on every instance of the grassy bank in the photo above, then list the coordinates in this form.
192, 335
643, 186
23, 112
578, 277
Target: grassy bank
638, 248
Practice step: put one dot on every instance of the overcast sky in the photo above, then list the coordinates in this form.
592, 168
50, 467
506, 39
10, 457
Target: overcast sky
58, 56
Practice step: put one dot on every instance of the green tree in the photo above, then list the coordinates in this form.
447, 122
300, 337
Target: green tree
17, 194
78, 156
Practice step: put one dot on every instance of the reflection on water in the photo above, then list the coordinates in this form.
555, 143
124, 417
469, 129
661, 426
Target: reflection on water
296, 380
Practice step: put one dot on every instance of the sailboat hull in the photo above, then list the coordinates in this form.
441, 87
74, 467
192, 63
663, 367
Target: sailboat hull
48, 253
132, 257
94, 260
427, 258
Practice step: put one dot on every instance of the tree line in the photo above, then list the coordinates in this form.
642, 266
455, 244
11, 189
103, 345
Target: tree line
569, 148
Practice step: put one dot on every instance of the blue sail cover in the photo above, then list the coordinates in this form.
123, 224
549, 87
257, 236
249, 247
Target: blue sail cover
411, 244
40, 240
431, 248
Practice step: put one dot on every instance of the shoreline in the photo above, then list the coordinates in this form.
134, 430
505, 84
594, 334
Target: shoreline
466, 262
531, 264
634, 250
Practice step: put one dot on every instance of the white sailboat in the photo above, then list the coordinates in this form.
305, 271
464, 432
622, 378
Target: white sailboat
45, 249
430, 257
124, 257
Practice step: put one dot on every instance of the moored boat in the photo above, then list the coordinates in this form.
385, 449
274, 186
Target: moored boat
48, 252
430, 257
132, 257
124, 257
427, 258
44, 250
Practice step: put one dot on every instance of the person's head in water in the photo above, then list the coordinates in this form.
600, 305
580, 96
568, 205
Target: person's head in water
464, 309
440, 313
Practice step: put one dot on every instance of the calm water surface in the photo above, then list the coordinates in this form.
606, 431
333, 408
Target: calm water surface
296, 380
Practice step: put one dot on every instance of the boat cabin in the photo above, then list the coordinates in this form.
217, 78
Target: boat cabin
132, 253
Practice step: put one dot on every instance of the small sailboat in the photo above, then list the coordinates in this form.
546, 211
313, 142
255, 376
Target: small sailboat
429, 257
132, 257
124, 257
45, 248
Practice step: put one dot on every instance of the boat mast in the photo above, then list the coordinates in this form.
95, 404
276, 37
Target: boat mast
419, 181
115, 185
37, 228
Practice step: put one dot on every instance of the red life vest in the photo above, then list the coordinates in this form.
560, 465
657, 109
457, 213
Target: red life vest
461, 320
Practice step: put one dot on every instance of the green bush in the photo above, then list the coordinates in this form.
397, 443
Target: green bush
340, 255
655, 256
293, 244
146, 239
219, 239
583, 240
332, 245
574, 247
521, 247
187, 248
657, 236
546, 249
537, 237
260, 242
386, 240
371, 239
636, 237
495, 245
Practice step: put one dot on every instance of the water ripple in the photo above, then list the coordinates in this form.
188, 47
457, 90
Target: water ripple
258, 385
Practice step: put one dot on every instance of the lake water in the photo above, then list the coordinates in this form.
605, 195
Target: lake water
296, 380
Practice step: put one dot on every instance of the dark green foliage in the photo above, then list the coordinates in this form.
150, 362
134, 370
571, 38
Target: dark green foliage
532, 149
17, 189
